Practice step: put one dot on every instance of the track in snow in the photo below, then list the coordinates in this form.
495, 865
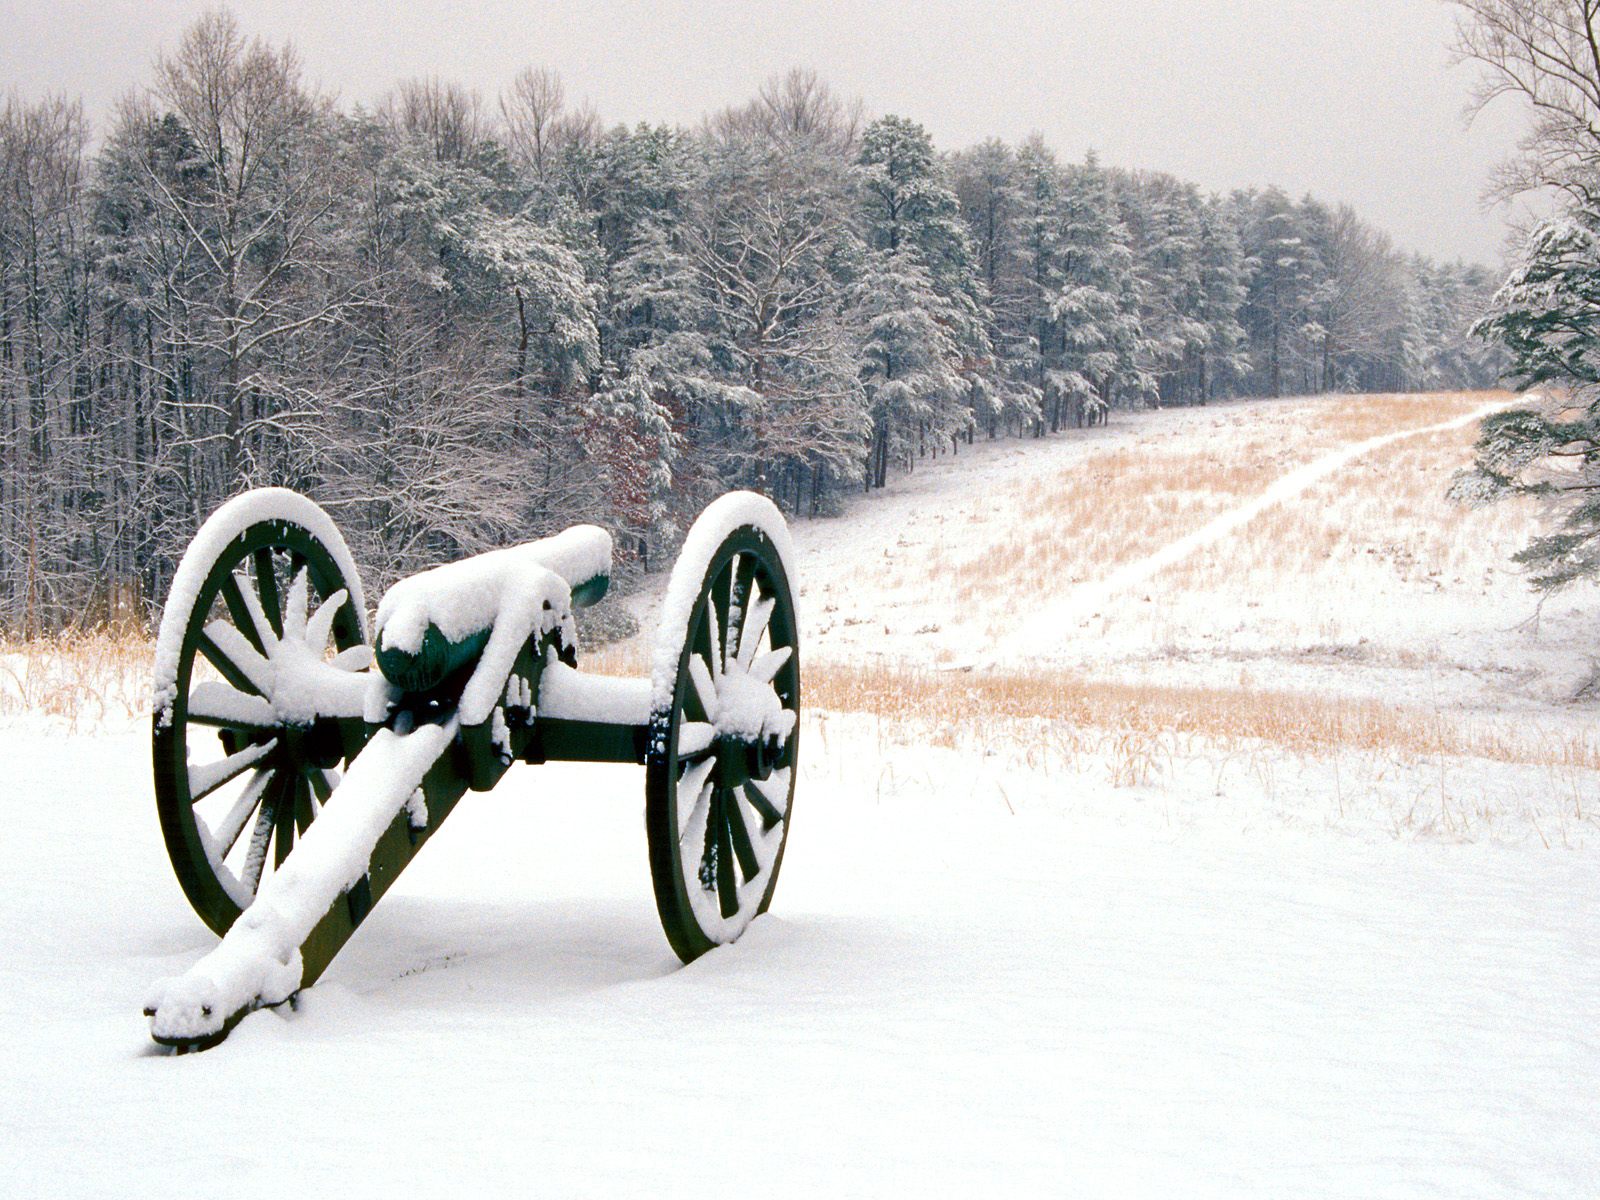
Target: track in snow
1086, 598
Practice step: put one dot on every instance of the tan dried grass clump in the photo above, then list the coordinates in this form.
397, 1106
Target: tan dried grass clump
1113, 509
1389, 507
1357, 418
82, 676
623, 658
953, 705
1124, 504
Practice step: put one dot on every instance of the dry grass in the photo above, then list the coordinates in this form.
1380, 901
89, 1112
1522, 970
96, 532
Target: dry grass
1113, 509
82, 677
1387, 510
951, 708
624, 658
1121, 720
1122, 505
1357, 418
957, 708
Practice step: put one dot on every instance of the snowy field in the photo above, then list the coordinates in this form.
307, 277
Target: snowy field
1289, 891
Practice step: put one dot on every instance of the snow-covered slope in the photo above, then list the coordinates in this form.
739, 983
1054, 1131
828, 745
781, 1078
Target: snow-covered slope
997, 959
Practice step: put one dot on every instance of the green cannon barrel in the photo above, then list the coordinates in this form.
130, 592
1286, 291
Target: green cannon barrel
415, 653
431, 663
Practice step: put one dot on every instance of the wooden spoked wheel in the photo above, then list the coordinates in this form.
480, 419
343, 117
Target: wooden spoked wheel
720, 773
262, 705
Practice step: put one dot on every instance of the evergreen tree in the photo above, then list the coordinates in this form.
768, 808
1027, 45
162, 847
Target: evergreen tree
923, 257
1224, 286
1104, 352
1285, 270
1546, 316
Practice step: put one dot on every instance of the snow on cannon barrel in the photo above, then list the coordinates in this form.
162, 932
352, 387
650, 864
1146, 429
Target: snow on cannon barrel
294, 783
438, 622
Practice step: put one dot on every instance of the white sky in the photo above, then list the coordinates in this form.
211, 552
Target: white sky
1353, 100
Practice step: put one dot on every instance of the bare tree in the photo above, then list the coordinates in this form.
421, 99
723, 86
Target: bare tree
255, 203
445, 117
795, 109
1359, 302
1548, 53
45, 401
537, 124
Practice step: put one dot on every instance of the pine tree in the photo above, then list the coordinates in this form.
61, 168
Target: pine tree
1284, 274
909, 359
988, 186
1546, 316
912, 215
1096, 309
1164, 220
1224, 286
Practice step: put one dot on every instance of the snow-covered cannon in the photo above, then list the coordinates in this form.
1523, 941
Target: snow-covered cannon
300, 765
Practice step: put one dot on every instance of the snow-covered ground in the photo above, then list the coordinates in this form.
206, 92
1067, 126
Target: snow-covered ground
1003, 954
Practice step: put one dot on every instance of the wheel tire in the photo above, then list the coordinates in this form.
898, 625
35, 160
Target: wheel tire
237, 606
719, 776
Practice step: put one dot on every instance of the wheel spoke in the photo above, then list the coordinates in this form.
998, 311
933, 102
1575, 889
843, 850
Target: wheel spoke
283, 842
693, 785
766, 667
744, 573
765, 802
240, 611
302, 802
694, 708
224, 666
258, 618
267, 589
755, 625
694, 739
322, 785
256, 858
232, 825
722, 634
727, 885
320, 627
704, 687
212, 702
294, 615
739, 835
244, 668
713, 655
352, 658
208, 777
693, 833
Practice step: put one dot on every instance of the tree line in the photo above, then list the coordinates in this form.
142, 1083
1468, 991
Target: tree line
459, 323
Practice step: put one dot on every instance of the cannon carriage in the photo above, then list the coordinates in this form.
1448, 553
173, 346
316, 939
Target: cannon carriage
304, 755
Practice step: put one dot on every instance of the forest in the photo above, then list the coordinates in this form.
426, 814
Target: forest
459, 322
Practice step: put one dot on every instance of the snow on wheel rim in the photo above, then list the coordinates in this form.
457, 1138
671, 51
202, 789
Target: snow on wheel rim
724, 736
225, 525
254, 711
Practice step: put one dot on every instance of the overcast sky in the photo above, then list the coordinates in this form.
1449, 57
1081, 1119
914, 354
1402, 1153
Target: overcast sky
1353, 100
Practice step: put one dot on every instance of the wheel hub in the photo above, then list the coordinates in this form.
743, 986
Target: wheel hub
740, 759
